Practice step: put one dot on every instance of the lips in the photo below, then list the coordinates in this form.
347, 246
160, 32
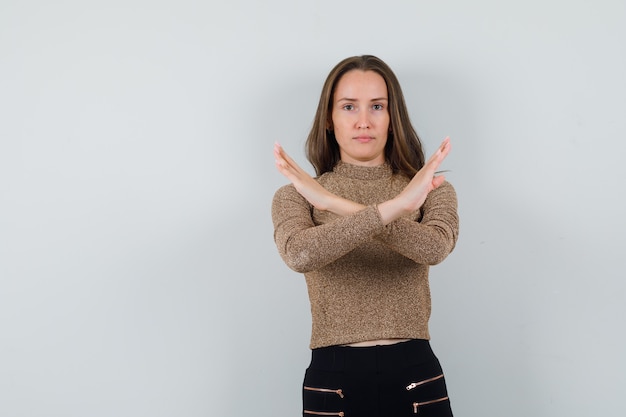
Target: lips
364, 139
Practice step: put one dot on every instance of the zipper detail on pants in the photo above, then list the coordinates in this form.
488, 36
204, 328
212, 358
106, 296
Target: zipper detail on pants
324, 413
417, 384
332, 391
416, 405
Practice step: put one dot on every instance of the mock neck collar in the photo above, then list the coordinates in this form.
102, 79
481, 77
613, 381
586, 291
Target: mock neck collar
359, 172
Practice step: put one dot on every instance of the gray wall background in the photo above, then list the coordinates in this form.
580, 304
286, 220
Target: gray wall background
138, 275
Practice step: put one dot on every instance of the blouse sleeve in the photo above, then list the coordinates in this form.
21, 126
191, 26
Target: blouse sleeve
430, 240
305, 246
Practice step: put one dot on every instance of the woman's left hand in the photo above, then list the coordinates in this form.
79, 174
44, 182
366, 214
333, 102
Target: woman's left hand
310, 189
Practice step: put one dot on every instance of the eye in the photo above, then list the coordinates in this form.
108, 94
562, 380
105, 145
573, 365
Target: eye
348, 107
378, 107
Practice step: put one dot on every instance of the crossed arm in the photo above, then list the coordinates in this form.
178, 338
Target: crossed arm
409, 200
305, 246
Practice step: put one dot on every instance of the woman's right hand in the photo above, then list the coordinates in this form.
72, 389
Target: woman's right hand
310, 189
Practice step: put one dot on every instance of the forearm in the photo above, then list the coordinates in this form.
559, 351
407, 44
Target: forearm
389, 210
428, 241
427, 244
431, 238
305, 245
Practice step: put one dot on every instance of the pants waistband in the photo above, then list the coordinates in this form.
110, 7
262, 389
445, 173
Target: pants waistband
374, 358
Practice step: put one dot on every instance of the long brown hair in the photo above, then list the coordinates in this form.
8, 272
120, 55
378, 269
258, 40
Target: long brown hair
403, 150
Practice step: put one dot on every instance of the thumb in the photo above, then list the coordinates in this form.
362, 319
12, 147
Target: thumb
438, 180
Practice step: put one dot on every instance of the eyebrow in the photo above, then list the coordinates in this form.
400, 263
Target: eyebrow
355, 99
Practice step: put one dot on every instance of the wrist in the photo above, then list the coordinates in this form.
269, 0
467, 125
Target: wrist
392, 209
342, 206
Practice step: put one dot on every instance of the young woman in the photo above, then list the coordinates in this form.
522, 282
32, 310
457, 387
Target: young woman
364, 233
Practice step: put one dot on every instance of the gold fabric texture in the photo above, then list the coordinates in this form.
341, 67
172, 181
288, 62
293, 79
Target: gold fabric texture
366, 281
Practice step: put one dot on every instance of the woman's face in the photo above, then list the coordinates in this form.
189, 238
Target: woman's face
360, 117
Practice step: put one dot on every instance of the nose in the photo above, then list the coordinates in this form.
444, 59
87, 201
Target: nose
363, 121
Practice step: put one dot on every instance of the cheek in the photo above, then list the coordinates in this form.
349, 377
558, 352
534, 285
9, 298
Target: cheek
340, 124
339, 118
386, 122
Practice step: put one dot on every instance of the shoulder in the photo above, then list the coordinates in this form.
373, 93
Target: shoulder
288, 195
289, 203
326, 177
286, 191
446, 187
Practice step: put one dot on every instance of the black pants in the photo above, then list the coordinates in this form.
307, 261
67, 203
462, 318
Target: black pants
404, 379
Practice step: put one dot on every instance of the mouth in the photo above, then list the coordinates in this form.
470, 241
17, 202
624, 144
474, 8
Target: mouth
364, 138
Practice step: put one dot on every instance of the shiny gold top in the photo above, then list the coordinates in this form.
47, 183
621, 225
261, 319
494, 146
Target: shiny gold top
366, 281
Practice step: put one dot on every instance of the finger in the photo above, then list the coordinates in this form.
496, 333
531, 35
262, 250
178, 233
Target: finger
277, 149
444, 148
279, 152
281, 158
281, 166
286, 171
438, 180
442, 152
291, 162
